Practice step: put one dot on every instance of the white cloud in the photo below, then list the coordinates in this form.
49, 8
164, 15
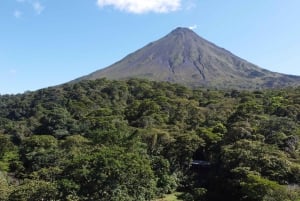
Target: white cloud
195, 26
38, 7
189, 5
17, 14
142, 6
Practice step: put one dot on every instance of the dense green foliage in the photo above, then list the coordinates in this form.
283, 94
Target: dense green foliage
136, 140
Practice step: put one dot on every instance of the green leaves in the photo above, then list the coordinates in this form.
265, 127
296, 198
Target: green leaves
259, 157
5, 189
8, 153
112, 173
32, 190
135, 140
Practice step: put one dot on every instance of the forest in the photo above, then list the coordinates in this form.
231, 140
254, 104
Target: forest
138, 140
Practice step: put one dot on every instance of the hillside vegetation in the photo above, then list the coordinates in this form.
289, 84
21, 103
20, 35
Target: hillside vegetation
135, 140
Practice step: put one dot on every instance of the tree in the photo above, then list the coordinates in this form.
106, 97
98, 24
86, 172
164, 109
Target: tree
112, 173
8, 153
5, 189
33, 190
39, 151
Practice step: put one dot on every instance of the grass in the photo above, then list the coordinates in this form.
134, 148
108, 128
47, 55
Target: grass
170, 197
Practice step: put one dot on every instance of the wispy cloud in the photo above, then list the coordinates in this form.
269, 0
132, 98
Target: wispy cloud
195, 26
38, 7
12, 71
142, 6
190, 4
17, 14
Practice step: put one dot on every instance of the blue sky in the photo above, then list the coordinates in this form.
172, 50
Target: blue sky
49, 42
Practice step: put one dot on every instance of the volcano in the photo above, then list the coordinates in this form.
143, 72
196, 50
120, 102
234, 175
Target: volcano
184, 57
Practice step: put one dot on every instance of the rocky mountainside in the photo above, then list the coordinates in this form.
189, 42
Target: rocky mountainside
184, 57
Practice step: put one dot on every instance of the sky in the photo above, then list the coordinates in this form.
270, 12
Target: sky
49, 42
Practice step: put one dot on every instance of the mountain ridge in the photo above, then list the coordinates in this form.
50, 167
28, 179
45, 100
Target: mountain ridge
184, 57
